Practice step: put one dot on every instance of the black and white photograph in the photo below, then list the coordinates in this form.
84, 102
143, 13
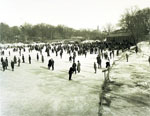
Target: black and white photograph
74, 57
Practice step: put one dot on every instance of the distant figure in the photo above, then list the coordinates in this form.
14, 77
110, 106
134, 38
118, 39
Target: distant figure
37, 57
71, 70
20, 52
29, 59
78, 67
136, 49
127, 56
4, 65
99, 61
6, 61
70, 58
18, 62
117, 54
12, 65
85, 54
9, 53
52, 61
23, 59
49, 64
107, 64
149, 60
2, 59
95, 67
74, 67
110, 54
61, 54
56, 53
42, 59
15, 59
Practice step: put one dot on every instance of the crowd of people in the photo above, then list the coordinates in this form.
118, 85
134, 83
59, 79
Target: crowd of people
102, 50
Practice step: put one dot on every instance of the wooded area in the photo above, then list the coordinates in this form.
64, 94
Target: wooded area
134, 21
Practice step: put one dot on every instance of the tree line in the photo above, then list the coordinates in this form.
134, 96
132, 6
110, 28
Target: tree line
135, 21
44, 32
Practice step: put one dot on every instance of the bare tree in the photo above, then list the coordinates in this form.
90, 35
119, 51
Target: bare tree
108, 28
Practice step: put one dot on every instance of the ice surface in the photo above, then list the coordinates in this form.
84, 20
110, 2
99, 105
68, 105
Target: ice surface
33, 90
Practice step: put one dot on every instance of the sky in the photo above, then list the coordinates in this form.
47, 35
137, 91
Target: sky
78, 14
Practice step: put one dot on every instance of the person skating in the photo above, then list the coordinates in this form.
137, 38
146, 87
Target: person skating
2, 59
107, 64
12, 65
29, 59
9, 53
6, 61
74, 58
37, 57
95, 67
78, 67
23, 59
42, 59
74, 67
127, 56
71, 70
85, 54
117, 54
49, 64
136, 49
149, 60
52, 61
61, 54
15, 59
99, 61
70, 58
18, 62
4, 65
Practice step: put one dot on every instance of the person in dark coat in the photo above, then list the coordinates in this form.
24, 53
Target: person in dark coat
149, 60
71, 70
4, 65
136, 49
48, 54
74, 67
127, 56
95, 67
42, 59
61, 54
117, 53
47, 51
18, 62
99, 61
49, 64
37, 57
12, 65
107, 64
29, 59
15, 59
6, 61
110, 54
23, 59
85, 53
74, 58
2, 59
52, 61
56, 53
70, 58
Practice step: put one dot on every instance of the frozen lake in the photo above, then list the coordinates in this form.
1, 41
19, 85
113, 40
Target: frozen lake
33, 90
